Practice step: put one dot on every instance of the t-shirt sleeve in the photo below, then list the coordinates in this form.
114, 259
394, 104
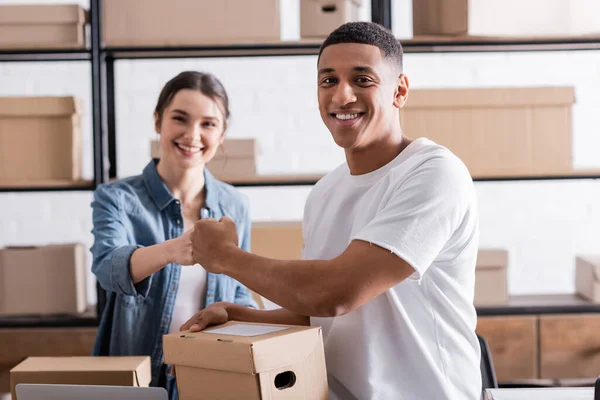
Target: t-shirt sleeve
422, 212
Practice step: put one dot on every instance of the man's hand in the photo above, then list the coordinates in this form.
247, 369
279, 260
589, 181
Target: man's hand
212, 240
215, 314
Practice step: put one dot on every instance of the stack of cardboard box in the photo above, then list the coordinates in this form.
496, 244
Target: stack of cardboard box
249, 361
40, 140
56, 26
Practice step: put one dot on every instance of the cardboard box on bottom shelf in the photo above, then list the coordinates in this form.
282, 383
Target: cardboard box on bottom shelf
43, 280
235, 158
55, 26
490, 277
249, 361
40, 139
498, 131
506, 18
587, 277
318, 18
112, 371
162, 23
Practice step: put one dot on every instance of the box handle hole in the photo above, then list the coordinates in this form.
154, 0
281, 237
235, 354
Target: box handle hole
329, 8
285, 380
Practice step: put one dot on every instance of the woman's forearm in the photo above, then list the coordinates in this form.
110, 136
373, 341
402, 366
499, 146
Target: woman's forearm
147, 260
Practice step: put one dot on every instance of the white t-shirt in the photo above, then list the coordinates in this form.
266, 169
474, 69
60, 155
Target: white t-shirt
416, 340
191, 295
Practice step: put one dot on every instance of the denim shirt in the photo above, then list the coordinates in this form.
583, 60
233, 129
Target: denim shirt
141, 211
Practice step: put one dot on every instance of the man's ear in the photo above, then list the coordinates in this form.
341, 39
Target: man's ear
157, 122
401, 92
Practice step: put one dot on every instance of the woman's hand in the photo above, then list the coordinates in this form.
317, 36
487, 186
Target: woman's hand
215, 314
180, 249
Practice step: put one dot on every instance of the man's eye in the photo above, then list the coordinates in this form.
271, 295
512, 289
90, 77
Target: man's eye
329, 80
364, 80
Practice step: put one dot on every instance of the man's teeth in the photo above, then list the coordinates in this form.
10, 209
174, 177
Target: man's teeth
346, 116
188, 148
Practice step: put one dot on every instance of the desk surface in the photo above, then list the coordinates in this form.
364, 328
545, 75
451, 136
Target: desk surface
541, 304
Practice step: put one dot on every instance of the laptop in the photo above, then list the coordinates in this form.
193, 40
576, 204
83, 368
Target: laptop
559, 393
80, 392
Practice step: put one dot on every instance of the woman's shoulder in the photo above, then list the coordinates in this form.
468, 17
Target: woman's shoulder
120, 190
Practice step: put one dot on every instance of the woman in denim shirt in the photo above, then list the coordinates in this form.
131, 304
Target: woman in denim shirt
142, 255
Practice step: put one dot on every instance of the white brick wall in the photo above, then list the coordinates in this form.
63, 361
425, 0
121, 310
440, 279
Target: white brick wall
543, 224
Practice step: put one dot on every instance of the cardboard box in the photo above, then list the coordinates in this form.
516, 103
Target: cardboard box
505, 18
587, 277
43, 280
236, 158
40, 139
249, 361
278, 240
318, 18
189, 22
42, 26
490, 277
111, 371
498, 132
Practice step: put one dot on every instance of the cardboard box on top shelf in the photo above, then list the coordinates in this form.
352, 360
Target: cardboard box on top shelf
40, 140
42, 26
43, 280
497, 132
506, 18
110, 371
490, 277
587, 277
235, 158
318, 18
249, 361
189, 22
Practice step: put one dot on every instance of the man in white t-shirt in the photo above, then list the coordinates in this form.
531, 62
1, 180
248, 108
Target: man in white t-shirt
391, 240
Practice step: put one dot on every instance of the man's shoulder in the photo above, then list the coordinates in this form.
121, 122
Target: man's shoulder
428, 159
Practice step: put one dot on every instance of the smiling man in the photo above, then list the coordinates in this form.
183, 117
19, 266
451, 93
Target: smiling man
390, 237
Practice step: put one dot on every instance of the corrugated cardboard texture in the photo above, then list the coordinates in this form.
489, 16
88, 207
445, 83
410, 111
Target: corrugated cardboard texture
497, 132
143, 22
318, 18
43, 280
40, 139
278, 240
505, 18
42, 14
490, 277
208, 364
42, 26
213, 384
114, 371
587, 277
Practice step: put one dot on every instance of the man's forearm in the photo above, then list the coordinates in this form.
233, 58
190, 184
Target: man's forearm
305, 287
279, 316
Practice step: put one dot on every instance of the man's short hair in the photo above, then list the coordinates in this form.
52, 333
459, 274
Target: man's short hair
367, 33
